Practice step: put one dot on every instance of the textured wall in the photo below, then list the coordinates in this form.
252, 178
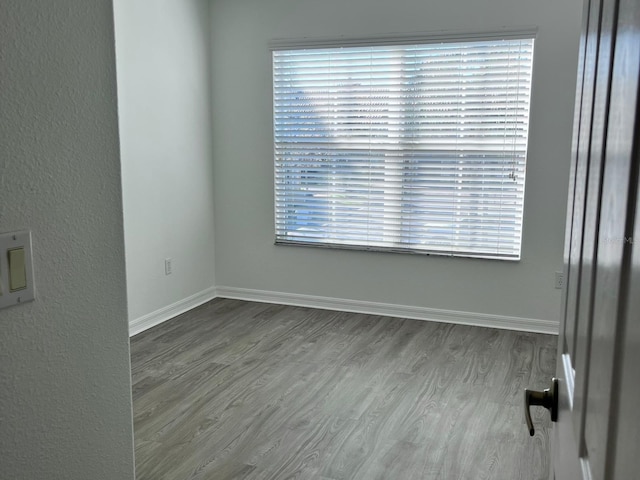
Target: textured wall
162, 51
243, 158
65, 395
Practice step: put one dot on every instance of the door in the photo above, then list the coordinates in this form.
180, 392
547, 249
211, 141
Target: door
598, 370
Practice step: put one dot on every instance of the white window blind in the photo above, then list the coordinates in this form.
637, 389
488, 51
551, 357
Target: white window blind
413, 148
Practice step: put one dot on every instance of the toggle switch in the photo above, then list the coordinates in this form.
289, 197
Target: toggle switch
17, 283
17, 270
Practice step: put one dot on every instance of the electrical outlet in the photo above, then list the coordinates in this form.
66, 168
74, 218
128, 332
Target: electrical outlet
168, 266
559, 280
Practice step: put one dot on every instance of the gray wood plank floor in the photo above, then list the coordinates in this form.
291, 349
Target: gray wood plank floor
244, 390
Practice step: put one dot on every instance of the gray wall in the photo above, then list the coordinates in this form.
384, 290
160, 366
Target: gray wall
65, 393
243, 158
165, 133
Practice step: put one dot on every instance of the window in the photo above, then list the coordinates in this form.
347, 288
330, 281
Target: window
416, 148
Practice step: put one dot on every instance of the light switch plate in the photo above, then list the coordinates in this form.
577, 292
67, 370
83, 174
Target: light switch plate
8, 242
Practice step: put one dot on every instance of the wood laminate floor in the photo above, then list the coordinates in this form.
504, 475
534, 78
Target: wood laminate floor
243, 390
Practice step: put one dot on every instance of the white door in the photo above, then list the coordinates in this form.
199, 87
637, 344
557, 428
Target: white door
597, 431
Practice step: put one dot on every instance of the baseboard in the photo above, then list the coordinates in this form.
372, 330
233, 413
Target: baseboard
166, 313
392, 310
357, 306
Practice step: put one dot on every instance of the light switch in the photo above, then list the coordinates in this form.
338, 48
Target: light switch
17, 282
17, 270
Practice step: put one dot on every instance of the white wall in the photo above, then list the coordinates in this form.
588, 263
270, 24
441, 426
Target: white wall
165, 129
65, 388
243, 158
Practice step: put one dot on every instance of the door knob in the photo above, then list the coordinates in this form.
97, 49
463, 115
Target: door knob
547, 399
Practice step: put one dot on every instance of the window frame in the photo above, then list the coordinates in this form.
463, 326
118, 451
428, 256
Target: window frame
529, 32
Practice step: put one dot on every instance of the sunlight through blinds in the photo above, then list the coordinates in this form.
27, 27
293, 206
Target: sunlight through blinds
410, 148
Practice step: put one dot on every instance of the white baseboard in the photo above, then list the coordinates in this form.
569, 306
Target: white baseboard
392, 310
166, 313
357, 306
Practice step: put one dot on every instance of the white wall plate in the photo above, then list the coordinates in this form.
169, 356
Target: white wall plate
9, 242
